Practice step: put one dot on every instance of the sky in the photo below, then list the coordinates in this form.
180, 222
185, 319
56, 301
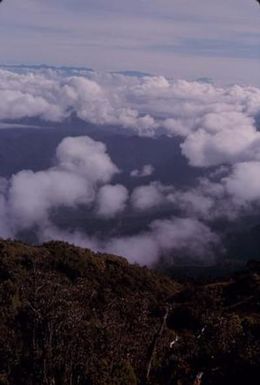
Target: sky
186, 39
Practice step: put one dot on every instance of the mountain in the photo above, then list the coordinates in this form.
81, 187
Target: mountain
137, 74
65, 70
73, 317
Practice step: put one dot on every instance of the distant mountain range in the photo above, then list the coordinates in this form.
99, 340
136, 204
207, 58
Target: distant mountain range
67, 70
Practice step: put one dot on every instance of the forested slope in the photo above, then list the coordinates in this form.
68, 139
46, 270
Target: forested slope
72, 317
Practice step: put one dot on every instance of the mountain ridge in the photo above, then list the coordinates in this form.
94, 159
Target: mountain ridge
72, 316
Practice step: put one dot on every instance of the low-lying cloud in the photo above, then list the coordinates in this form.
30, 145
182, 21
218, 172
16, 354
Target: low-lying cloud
82, 166
147, 170
217, 128
82, 178
111, 200
172, 238
215, 124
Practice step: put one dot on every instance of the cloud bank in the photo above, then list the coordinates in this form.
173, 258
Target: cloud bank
217, 129
82, 178
195, 111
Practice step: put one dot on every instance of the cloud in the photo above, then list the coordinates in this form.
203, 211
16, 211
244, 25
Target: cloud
82, 166
148, 196
194, 202
51, 232
86, 157
147, 170
173, 237
184, 234
216, 129
243, 183
141, 248
224, 137
52, 97
81, 178
33, 195
111, 200
209, 199
215, 125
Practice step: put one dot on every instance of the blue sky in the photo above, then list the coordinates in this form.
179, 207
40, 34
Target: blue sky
177, 38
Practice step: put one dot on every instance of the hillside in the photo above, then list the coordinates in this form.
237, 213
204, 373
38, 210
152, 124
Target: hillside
72, 317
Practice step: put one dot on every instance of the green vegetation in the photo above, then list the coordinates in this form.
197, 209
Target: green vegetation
72, 317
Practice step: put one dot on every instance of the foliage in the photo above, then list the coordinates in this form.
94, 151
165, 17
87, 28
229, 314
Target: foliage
72, 317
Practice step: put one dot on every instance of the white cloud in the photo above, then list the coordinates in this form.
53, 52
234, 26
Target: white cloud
33, 195
147, 170
224, 137
82, 166
215, 126
81, 176
111, 200
175, 236
148, 196
50, 232
243, 183
185, 234
141, 248
199, 113
86, 157
194, 202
